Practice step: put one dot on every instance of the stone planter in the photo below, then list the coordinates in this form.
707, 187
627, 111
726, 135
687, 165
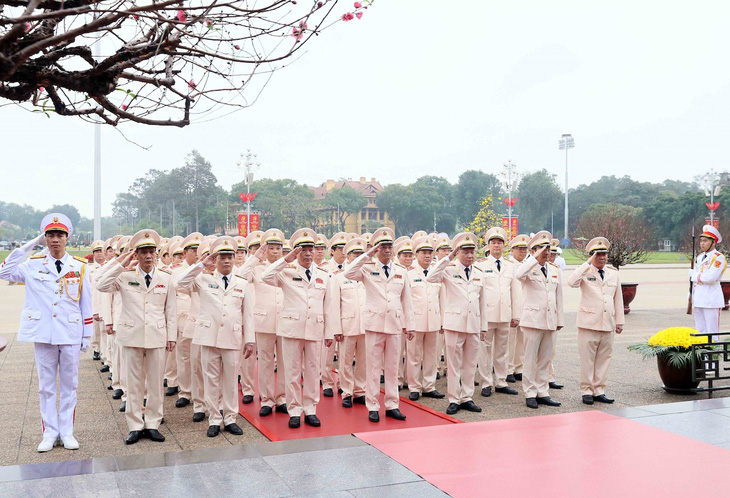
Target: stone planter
629, 293
676, 380
725, 293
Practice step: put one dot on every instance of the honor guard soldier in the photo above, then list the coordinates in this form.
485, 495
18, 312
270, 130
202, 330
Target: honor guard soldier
269, 303
518, 252
320, 249
366, 237
601, 312
224, 329
286, 248
503, 297
57, 318
171, 368
554, 243
388, 314
305, 288
147, 328
707, 299
541, 318
421, 356
464, 319
334, 264
97, 250
344, 318
189, 247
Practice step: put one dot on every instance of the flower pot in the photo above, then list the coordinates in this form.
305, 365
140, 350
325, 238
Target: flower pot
676, 380
725, 293
629, 293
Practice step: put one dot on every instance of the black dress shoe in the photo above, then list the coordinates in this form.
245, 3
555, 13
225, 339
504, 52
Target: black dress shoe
117, 394
294, 422
547, 400
327, 393
555, 385
518, 377
164, 382
374, 416
182, 402
433, 394
505, 390
602, 398
531, 403
247, 399
123, 406
452, 408
414, 396
155, 435
587, 399
265, 411
347, 401
233, 429
382, 379
438, 376
402, 387
96, 356
339, 390
470, 407
213, 430
172, 391
359, 400
133, 437
109, 376
312, 420
198, 416
282, 409
487, 391
511, 379
395, 413
105, 369
109, 388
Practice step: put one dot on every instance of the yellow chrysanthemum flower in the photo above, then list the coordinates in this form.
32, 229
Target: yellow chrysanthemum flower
675, 336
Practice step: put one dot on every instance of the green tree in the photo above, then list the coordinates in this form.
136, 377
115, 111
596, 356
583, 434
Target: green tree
540, 199
472, 187
346, 201
485, 219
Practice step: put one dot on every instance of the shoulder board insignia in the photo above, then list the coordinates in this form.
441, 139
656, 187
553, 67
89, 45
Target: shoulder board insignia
83, 260
320, 269
129, 269
481, 260
240, 276
175, 265
338, 271
556, 266
477, 269
610, 268
38, 256
398, 264
165, 270
371, 262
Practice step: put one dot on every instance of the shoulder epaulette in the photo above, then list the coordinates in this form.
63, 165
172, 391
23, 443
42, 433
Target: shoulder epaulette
129, 269
174, 265
611, 268
556, 266
398, 264
321, 269
83, 260
165, 270
338, 271
240, 276
718, 253
38, 256
477, 269
481, 260
369, 263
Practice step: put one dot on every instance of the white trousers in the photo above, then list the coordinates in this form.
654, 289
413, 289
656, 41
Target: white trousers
494, 354
184, 367
96, 335
272, 385
302, 359
461, 351
352, 378
171, 367
248, 368
382, 355
220, 367
707, 320
595, 349
60, 362
516, 350
539, 351
198, 383
441, 351
328, 360
421, 358
144, 370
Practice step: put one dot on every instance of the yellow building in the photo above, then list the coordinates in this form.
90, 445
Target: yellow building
368, 219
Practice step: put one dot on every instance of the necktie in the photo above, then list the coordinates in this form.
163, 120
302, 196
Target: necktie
387, 273
499, 265
544, 271
600, 272
339, 267
703, 258
58, 266
225, 282
148, 279
425, 273
466, 270
308, 274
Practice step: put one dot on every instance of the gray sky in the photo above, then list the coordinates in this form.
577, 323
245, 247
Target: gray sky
425, 87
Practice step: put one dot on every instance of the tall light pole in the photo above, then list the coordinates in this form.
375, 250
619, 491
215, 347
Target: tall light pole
566, 142
711, 183
248, 160
510, 178
97, 160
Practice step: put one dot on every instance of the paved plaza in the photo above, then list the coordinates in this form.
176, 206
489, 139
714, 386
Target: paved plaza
100, 428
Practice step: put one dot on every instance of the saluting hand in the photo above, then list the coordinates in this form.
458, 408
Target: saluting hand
591, 258
126, 258
453, 254
209, 260
293, 254
261, 251
373, 250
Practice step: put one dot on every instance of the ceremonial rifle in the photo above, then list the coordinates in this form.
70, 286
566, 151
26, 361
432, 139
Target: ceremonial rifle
692, 266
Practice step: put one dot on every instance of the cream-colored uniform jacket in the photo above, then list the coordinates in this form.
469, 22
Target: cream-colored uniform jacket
343, 314
388, 302
269, 300
331, 266
148, 317
182, 295
463, 302
542, 306
601, 301
225, 319
302, 315
503, 290
425, 297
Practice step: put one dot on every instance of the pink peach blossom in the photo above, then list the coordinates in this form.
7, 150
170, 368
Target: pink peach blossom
358, 15
358, 5
124, 107
181, 15
348, 17
191, 85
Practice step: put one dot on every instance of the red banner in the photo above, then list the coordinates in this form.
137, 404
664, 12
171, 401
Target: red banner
712, 206
243, 224
715, 223
510, 202
247, 197
515, 226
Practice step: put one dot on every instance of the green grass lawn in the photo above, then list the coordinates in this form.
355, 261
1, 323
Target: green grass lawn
74, 252
575, 257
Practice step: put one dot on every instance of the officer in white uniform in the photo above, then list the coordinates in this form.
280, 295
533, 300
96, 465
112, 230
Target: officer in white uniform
57, 317
707, 299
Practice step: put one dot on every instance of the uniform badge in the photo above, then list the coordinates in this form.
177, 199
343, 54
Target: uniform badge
297, 279
161, 286
417, 280
318, 281
591, 279
214, 286
457, 276
718, 264
488, 271
476, 280
374, 273
398, 276
134, 283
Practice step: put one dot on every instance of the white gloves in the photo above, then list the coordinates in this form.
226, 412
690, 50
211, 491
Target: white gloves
28, 246
85, 342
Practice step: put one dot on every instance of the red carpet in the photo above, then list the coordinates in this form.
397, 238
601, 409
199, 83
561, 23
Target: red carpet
338, 421
576, 454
